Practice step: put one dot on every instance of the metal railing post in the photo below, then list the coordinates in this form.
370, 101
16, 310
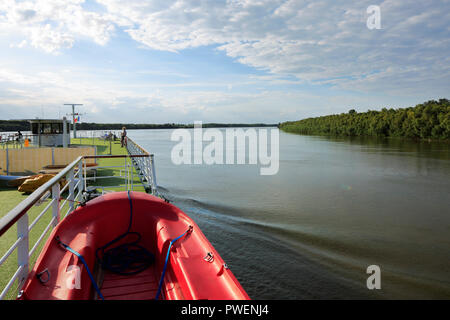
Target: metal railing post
7, 160
22, 248
131, 173
55, 205
84, 174
80, 176
71, 197
148, 169
154, 185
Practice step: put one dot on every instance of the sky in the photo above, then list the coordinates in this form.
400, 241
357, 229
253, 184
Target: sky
229, 61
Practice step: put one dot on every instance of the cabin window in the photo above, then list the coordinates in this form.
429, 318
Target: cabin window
34, 128
46, 128
49, 128
57, 128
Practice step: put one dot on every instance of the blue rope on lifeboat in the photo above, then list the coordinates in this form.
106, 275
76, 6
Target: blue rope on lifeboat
167, 260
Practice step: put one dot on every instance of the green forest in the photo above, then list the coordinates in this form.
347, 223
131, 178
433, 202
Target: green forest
429, 120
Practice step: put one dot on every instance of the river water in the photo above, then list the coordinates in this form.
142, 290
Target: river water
335, 207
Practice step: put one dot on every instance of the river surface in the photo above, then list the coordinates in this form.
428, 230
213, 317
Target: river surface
335, 207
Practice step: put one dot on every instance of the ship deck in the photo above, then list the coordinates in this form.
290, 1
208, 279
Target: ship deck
11, 197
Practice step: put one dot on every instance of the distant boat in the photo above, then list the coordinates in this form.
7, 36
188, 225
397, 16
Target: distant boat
129, 245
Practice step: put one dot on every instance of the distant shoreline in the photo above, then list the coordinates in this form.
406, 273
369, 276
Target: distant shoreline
16, 125
427, 121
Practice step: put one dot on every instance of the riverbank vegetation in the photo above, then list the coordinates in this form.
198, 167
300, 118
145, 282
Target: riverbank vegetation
24, 125
429, 120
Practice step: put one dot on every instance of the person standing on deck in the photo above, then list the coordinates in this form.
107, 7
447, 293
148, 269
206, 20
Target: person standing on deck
123, 137
19, 136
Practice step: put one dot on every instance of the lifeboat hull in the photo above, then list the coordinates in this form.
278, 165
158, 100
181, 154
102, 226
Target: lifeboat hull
194, 269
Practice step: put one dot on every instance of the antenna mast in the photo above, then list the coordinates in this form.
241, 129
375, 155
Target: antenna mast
73, 116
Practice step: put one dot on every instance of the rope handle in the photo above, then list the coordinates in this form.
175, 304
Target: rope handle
40, 274
94, 283
189, 230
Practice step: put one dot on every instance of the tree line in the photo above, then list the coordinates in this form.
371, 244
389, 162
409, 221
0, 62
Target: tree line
429, 120
23, 125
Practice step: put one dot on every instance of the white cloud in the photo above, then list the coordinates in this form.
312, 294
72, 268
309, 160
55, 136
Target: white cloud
296, 42
21, 44
52, 25
312, 40
49, 40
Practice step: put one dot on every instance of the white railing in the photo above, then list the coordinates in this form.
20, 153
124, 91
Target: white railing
125, 173
13, 141
73, 174
76, 183
144, 165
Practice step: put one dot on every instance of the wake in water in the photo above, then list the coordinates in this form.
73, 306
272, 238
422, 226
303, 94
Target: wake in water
265, 255
261, 259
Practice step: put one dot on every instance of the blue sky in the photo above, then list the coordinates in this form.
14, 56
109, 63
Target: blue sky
218, 61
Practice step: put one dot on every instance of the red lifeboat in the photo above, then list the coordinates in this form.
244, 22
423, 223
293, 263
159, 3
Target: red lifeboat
194, 269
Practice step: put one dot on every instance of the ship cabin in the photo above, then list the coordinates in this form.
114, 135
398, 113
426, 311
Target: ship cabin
50, 132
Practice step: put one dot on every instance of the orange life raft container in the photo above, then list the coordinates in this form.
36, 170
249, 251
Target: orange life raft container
194, 269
